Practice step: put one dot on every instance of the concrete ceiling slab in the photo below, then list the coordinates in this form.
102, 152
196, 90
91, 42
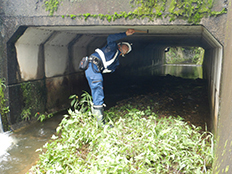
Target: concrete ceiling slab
61, 38
166, 35
34, 36
162, 29
181, 35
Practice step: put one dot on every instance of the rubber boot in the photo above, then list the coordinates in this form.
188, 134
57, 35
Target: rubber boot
98, 112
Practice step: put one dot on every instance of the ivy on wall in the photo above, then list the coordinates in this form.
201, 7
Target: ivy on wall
4, 109
51, 6
191, 10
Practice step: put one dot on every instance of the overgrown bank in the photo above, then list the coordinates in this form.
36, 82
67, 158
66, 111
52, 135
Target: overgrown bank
140, 142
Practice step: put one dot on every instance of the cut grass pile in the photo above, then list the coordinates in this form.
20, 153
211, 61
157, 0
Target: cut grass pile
139, 143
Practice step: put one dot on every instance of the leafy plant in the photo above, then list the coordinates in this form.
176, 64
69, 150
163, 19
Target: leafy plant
194, 55
139, 143
51, 6
198, 55
26, 114
32, 98
84, 104
42, 117
3, 108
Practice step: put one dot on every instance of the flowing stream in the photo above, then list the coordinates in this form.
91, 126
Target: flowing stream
17, 150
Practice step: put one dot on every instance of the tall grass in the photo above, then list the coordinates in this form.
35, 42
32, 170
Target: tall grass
139, 143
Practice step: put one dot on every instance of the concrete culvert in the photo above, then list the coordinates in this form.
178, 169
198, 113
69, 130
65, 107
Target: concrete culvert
40, 56
48, 58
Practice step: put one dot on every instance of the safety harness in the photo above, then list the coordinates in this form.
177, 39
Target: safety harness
104, 62
96, 61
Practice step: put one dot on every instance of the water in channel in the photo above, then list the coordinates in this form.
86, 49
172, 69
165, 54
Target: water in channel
17, 150
188, 71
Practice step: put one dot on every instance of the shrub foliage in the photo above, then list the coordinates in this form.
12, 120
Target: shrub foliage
139, 143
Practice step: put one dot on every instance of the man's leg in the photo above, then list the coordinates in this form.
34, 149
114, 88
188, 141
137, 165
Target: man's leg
95, 81
98, 96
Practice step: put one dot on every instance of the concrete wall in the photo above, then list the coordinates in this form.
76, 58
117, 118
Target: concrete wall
212, 72
52, 54
41, 69
223, 158
44, 72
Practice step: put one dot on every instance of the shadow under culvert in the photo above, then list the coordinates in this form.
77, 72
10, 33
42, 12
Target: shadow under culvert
164, 95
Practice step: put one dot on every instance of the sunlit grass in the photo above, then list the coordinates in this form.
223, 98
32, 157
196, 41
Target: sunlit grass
139, 143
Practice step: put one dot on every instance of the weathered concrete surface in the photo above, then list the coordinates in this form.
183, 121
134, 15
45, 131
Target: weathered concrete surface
15, 13
27, 65
223, 158
48, 61
35, 70
36, 7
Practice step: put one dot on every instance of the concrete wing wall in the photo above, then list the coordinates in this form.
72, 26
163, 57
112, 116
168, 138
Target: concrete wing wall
223, 160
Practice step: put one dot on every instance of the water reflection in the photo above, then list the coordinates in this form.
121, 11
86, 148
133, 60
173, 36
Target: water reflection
187, 71
17, 153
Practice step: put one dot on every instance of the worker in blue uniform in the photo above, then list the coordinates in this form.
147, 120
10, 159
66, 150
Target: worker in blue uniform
105, 60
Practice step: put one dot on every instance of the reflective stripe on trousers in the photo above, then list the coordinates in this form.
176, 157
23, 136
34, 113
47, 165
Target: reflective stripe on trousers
95, 81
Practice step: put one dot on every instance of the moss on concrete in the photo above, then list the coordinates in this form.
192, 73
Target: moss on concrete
51, 6
190, 10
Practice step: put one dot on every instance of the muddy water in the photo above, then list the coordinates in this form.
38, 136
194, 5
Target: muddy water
17, 150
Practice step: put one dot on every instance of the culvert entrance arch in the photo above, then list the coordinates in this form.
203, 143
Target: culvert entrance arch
45, 61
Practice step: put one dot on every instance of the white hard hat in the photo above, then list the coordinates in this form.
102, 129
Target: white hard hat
128, 44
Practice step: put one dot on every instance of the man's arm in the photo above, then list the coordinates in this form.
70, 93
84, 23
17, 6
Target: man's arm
130, 32
117, 36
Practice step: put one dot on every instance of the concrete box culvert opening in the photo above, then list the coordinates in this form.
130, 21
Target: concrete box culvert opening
43, 61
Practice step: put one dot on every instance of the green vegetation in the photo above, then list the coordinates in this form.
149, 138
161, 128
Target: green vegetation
193, 55
42, 117
32, 99
3, 108
191, 10
140, 142
51, 6
84, 104
26, 114
27, 100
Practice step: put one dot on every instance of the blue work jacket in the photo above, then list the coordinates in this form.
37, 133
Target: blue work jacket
111, 49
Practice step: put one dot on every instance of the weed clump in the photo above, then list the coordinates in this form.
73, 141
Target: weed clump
140, 142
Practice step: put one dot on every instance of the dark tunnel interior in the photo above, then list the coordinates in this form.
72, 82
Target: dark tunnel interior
49, 56
165, 95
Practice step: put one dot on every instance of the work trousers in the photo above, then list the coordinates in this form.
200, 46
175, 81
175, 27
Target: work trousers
95, 81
